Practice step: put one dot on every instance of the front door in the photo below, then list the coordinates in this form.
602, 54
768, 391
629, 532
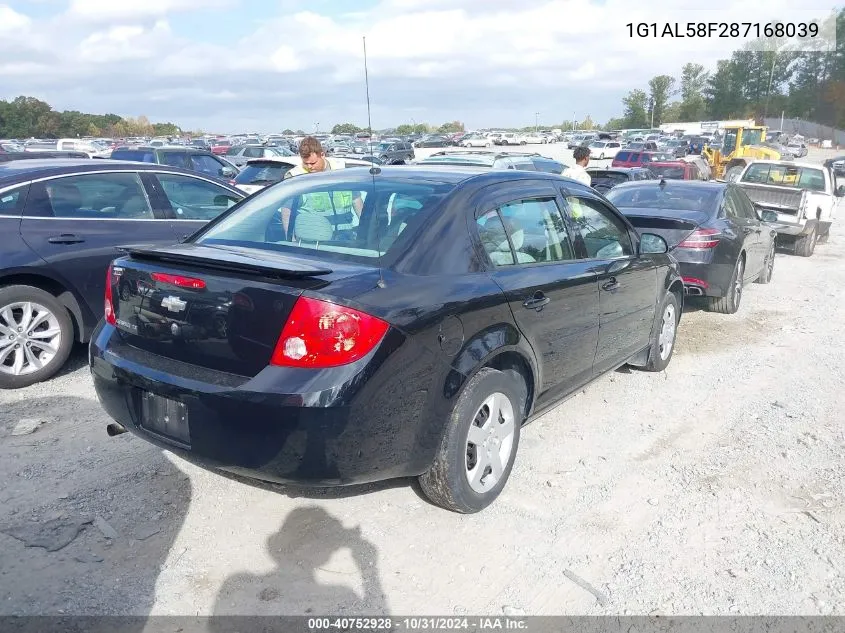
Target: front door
626, 283
745, 223
75, 224
552, 295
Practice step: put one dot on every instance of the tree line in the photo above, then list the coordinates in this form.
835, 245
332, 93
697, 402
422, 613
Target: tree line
25, 117
751, 84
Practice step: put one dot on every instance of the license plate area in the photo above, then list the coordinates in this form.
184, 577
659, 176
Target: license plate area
166, 418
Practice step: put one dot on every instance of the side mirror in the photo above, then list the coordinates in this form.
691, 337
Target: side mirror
228, 172
840, 191
768, 216
651, 244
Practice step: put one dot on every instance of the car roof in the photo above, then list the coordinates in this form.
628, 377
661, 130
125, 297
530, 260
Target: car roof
16, 171
621, 170
701, 185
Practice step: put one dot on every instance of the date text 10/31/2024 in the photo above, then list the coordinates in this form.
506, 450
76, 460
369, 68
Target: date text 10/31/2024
723, 29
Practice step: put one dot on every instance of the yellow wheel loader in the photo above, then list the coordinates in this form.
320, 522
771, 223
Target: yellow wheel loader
740, 145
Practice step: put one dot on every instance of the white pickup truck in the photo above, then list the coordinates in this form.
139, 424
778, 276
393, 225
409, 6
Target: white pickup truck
804, 195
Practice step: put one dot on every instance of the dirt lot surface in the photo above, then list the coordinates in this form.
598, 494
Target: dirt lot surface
715, 487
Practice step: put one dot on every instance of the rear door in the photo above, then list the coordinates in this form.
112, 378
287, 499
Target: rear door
626, 284
552, 295
752, 228
75, 224
189, 202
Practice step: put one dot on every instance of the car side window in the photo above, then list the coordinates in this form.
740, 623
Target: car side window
534, 231
605, 236
194, 198
206, 164
730, 207
253, 152
494, 239
174, 159
11, 202
96, 196
744, 204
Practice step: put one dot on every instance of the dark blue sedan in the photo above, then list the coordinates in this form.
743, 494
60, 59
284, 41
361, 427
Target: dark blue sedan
60, 223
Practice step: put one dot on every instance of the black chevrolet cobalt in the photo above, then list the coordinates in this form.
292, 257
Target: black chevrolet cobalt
365, 324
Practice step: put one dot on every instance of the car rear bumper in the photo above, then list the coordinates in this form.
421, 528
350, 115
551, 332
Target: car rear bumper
706, 280
336, 429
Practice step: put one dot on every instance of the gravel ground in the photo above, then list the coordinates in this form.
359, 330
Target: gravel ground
715, 487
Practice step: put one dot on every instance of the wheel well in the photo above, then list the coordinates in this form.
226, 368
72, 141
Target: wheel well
512, 361
56, 289
677, 289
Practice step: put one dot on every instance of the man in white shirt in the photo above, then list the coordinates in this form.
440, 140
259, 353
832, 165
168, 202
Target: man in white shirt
578, 171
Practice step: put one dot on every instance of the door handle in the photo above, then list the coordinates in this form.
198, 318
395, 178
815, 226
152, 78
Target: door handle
610, 285
65, 238
536, 302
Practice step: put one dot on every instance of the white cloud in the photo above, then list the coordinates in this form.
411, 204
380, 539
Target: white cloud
483, 61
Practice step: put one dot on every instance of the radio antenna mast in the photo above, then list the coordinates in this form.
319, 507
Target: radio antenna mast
374, 169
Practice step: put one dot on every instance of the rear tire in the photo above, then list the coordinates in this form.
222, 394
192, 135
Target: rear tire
463, 477
768, 267
805, 245
52, 316
729, 304
664, 335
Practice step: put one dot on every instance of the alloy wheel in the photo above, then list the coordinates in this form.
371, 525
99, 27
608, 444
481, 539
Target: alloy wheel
30, 337
737, 289
490, 442
666, 340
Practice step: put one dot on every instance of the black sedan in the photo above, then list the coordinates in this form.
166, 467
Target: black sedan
712, 228
434, 141
390, 322
60, 223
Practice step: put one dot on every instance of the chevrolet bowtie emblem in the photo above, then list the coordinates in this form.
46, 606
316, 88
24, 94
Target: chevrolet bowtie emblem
174, 304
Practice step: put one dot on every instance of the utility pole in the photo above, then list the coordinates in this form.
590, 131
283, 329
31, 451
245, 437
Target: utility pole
769, 91
573, 121
536, 121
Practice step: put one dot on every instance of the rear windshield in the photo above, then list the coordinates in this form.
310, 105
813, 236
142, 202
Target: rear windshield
607, 179
785, 176
142, 156
262, 173
668, 171
623, 156
654, 196
354, 220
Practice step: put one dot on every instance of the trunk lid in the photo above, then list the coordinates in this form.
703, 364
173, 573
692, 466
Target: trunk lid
219, 308
787, 200
672, 225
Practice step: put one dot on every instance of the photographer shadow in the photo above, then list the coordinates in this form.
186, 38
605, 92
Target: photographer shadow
301, 583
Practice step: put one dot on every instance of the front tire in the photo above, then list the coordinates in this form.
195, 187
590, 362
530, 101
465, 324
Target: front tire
36, 336
479, 444
729, 304
664, 335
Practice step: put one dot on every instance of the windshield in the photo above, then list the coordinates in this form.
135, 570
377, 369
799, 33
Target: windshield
607, 179
785, 176
352, 219
598, 145
262, 173
142, 156
672, 172
665, 197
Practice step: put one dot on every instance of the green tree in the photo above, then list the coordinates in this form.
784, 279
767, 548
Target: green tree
661, 88
404, 129
635, 109
587, 123
346, 128
693, 107
450, 127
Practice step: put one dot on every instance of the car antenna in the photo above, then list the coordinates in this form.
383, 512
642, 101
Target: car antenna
375, 169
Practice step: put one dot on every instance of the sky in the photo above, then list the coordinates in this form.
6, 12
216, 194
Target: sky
265, 65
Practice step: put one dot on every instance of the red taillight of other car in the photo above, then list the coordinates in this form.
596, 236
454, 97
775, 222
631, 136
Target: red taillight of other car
701, 239
320, 334
111, 319
179, 280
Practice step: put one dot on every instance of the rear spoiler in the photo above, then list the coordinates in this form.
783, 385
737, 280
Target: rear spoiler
217, 258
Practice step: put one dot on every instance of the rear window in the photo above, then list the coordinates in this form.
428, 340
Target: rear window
141, 156
654, 196
262, 173
785, 176
353, 219
623, 156
668, 171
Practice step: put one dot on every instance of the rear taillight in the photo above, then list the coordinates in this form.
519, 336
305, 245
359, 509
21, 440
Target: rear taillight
111, 319
320, 334
179, 280
701, 239
695, 281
